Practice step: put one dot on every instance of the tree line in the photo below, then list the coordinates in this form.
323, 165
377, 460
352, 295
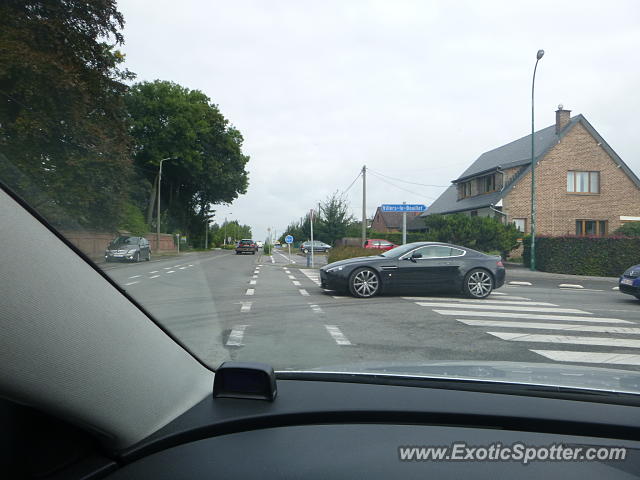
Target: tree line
83, 145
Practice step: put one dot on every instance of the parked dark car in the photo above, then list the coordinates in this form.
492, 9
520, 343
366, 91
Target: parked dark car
629, 282
419, 267
318, 246
246, 245
125, 248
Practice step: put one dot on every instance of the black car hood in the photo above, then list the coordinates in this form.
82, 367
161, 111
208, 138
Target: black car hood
350, 261
547, 374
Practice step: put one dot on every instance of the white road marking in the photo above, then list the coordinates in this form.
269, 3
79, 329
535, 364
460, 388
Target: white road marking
155, 271
132, 283
246, 306
170, 271
273, 260
296, 283
154, 276
470, 313
255, 276
167, 268
483, 301
337, 335
250, 291
570, 285
288, 272
190, 265
520, 283
256, 272
338, 296
552, 326
235, 337
315, 308
615, 288
252, 282
591, 357
503, 307
311, 275
176, 266
291, 277
182, 268
303, 292
566, 339
497, 293
135, 276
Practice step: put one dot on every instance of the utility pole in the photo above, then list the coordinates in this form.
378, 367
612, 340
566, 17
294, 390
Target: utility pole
364, 204
404, 225
533, 169
206, 233
311, 224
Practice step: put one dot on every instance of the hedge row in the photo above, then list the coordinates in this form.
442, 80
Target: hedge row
599, 256
342, 253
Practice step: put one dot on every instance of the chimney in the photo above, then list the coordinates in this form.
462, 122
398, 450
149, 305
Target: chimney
562, 118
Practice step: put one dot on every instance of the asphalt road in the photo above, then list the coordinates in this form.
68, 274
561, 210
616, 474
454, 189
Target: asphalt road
262, 308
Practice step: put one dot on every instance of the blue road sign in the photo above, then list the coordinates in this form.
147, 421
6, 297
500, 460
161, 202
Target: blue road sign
400, 207
288, 239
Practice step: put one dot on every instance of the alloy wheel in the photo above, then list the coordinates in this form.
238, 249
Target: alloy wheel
479, 284
365, 283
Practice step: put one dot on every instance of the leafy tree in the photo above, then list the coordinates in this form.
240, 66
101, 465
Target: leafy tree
63, 134
629, 229
133, 220
334, 218
207, 165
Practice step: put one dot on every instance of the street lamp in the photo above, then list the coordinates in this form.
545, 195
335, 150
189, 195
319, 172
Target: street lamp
539, 55
224, 242
158, 222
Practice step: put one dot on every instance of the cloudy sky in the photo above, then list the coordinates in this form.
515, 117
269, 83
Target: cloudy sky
414, 90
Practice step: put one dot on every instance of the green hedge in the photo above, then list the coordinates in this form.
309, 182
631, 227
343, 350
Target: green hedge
342, 253
599, 256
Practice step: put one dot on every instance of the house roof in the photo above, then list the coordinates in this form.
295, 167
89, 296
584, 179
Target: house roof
514, 154
394, 219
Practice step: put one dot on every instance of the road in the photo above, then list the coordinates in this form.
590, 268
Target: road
262, 308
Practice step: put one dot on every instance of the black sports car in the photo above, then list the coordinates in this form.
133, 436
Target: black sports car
417, 267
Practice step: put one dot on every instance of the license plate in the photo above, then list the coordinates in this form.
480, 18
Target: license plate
627, 281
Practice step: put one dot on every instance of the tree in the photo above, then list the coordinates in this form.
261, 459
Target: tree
629, 229
334, 218
63, 129
207, 165
481, 233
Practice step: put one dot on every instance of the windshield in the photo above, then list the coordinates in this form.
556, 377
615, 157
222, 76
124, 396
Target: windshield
326, 125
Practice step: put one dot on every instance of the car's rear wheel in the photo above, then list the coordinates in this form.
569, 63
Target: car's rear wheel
478, 283
137, 257
364, 283
149, 256
304, 250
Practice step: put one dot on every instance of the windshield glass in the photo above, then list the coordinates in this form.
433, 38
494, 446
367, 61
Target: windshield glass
314, 127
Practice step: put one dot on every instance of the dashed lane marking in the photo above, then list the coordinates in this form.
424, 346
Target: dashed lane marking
235, 337
246, 306
337, 335
296, 283
171, 271
303, 292
520, 283
250, 291
154, 276
132, 283
136, 276
252, 282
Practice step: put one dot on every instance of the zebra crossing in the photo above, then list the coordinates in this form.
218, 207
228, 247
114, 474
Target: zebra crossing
557, 329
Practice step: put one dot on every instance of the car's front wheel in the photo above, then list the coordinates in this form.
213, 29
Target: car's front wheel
364, 283
149, 256
478, 283
304, 250
137, 257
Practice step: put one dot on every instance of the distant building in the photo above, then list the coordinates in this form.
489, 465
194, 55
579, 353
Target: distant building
388, 222
582, 186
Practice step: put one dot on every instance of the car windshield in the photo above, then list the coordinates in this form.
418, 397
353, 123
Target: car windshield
192, 129
121, 241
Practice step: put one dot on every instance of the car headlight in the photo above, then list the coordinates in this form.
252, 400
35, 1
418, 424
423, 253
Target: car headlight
335, 269
132, 250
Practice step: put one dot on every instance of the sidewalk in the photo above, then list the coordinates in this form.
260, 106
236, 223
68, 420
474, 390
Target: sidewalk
518, 273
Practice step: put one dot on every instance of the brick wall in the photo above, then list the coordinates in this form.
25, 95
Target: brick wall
93, 244
558, 210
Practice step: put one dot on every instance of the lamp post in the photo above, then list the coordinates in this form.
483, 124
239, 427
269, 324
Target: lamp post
539, 55
158, 219
224, 241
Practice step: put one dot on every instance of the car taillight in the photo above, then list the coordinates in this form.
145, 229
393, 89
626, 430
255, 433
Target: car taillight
499, 264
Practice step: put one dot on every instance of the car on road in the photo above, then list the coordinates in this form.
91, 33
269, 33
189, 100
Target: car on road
419, 267
259, 244
127, 248
246, 245
318, 246
379, 243
629, 281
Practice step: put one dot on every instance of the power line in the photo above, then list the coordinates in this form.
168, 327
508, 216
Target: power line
406, 181
352, 183
401, 188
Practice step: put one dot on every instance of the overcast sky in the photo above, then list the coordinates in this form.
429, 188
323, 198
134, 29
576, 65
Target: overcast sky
414, 90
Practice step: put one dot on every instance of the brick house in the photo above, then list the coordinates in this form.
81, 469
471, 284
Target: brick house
390, 221
582, 186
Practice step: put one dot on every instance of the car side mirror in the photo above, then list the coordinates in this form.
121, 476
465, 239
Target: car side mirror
415, 255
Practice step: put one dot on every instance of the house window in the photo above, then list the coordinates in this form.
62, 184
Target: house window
591, 227
520, 223
583, 182
464, 190
489, 183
